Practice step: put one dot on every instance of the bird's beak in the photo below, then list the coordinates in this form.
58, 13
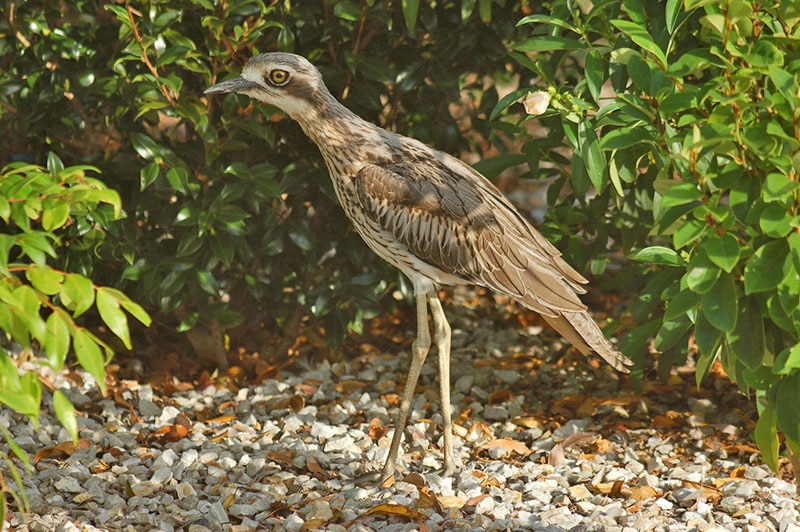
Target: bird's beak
237, 84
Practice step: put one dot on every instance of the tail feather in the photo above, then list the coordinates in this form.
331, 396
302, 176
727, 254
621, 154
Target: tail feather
581, 331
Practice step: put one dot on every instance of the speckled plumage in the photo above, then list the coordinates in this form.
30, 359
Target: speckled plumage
427, 213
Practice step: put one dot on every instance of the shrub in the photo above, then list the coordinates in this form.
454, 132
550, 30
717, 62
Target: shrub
682, 121
230, 211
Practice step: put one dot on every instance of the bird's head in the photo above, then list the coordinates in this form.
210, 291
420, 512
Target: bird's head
287, 81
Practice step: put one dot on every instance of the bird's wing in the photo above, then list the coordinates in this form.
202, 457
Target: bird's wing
450, 216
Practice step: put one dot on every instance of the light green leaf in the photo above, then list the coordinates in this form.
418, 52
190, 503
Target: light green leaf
65, 413
658, 255
55, 215
77, 293
45, 279
56, 340
109, 308
640, 36
87, 350
766, 435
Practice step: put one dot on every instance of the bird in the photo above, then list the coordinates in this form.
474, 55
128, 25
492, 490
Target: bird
432, 216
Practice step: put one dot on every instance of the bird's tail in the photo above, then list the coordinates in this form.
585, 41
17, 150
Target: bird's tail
582, 332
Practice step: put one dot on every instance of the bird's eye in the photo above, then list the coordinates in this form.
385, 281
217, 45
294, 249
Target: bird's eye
278, 77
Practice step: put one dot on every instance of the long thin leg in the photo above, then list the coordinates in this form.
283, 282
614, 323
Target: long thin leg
441, 335
419, 351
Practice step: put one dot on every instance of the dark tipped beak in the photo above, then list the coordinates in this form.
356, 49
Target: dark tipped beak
238, 84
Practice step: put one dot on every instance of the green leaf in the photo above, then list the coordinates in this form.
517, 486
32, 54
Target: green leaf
702, 274
764, 270
766, 435
148, 175
688, 231
640, 36
764, 54
720, 305
708, 339
592, 155
747, 339
595, 73
723, 250
673, 11
776, 221
788, 415
788, 360
77, 293
89, 355
54, 164
55, 215
547, 43
680, 304
19, 394
672, 332
681, 194
619, 139
45, 279
410, 14
658, 255
65, 413
146, 147
109, 308
56, 339
546, 19
778, 187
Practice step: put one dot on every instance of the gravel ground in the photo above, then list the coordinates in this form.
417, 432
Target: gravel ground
559, 444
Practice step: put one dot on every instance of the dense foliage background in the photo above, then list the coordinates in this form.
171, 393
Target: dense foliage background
672, 136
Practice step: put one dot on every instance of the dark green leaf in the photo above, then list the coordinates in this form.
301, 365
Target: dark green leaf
720, 305
764, 270
788, 415
702, 274
747, 339
723, 250
547, 43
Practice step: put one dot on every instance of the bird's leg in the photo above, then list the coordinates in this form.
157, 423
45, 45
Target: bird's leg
441, 335
419, 351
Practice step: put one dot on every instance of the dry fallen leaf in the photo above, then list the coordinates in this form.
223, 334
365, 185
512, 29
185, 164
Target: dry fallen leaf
448, 501
349, 386
313, 466
227, 418
641, 493
281, 457
296, 403
499, 396
398, 510
512, 446
312, 524
529, 422
478, 498
376, 429
612, 489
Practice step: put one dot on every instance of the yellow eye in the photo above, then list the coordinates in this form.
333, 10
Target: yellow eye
278, 77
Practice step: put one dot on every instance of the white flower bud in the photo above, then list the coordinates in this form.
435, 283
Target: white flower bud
536, 102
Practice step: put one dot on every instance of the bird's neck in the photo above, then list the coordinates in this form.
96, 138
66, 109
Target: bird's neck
334, 128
